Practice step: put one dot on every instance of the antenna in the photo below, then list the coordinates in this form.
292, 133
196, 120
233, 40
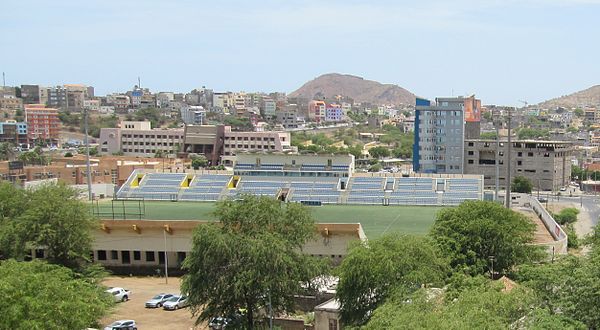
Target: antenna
139, 83
3, 79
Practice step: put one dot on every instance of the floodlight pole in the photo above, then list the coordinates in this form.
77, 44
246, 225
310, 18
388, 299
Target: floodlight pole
509, 150
497, 124
166, 258
87, 155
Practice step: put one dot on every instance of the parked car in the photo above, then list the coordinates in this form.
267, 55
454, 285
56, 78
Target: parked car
542, 199
158, 300
119, 294
122, 325
175, 302
563, 189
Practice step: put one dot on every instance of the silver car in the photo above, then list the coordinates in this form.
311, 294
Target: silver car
158, 300
122, 325
175, 302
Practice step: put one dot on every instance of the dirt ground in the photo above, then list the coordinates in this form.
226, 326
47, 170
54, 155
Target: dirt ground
142, 289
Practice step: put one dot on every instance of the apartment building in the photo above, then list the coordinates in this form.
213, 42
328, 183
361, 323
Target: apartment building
54, 97
334, 113
30, 94
138, 138
76, 95
42, 123
13, 132
9, 102
317, 111
546, 163
440, 131
268, 107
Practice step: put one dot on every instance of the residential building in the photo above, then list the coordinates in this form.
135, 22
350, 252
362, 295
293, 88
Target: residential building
163, 99
120, 102
9, 102
206, 140
317, 111
333, 112
76, 94
268, 107
54, 97
547, 164
290, 119
440, 131
30, 94
42, 123
13, 132
138, 138
192, 115
91, 105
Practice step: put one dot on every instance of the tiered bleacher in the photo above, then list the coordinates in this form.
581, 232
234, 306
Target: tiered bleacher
158, 186
366, 190
413, 191
207, 187
321, 191
459, 190
257, 187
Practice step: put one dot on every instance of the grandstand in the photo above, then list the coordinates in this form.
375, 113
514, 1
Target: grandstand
313, 180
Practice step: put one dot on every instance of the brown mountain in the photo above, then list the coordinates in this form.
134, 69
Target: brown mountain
359, 89
590, 96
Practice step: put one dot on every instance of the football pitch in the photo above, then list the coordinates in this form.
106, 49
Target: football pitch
375, 219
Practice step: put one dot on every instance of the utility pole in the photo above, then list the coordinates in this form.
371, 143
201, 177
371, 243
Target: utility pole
166, 258
509, 150
497, 124
3, 79
87, 155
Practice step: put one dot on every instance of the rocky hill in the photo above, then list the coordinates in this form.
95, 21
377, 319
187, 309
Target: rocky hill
359, 89
590, 96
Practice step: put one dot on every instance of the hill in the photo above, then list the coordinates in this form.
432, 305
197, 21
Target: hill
359, 89
590, 96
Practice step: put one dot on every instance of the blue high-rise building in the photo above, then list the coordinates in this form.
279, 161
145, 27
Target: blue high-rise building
440, 133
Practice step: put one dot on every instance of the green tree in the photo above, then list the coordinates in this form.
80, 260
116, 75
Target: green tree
521, 184
577, 173
51, 217
566, 216
251, 256
476, 230
379, 152
533, 133
7, 151
579, 112
488, 136
37, 295
34, 157
199, 161
372, 270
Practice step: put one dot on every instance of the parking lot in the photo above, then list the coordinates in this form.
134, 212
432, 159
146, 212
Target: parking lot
142, 289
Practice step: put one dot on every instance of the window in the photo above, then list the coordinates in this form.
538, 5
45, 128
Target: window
470, 161
150, 256
114, 255
101, 255
125, 257
137, 255
530, 154
471, 153
333, 324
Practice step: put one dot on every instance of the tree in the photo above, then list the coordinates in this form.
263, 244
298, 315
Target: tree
37, 295
371, 271
199, 161
579, 112
566, 216
379, 152
7, 151
50, 217
533, 133
488, 135
521, 184
476, 230
250, 258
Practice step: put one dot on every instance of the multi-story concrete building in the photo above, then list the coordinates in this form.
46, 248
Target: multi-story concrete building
268, 107
9, 102
42, 123
440, 131
138, 138
290, 119
13, 132
317, 111
76, 95
334, 112
192, 115
120, 102
91, 105
54, 97
546, 163
220, 144
30, 94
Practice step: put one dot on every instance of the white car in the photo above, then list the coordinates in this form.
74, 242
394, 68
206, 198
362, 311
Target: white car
122, 325
119, 294
563, 189
175, 302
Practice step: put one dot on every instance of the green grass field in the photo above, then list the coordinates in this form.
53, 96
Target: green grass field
376, 220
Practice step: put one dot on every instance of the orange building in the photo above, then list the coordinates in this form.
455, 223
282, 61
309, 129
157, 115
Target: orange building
42, 123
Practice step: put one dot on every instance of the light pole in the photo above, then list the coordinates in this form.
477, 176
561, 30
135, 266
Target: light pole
87, 154
497, 124
166, 258
509, 150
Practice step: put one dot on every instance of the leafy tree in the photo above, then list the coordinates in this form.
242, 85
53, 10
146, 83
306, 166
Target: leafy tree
34, 157
6, 151
37, 295
379, 152
476, 230
487, 115
521, 184
533, 133
50, 216
152, 115
251, 256
577, 173
572, 129
372, 270
566, 216
238, 123
579, 112
199, 161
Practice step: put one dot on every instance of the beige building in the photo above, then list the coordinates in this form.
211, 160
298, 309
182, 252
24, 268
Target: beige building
546, 163
138, 138
253, 141
327, 315
139, 245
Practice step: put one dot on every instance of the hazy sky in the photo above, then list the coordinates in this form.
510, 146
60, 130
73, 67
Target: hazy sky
503, 51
